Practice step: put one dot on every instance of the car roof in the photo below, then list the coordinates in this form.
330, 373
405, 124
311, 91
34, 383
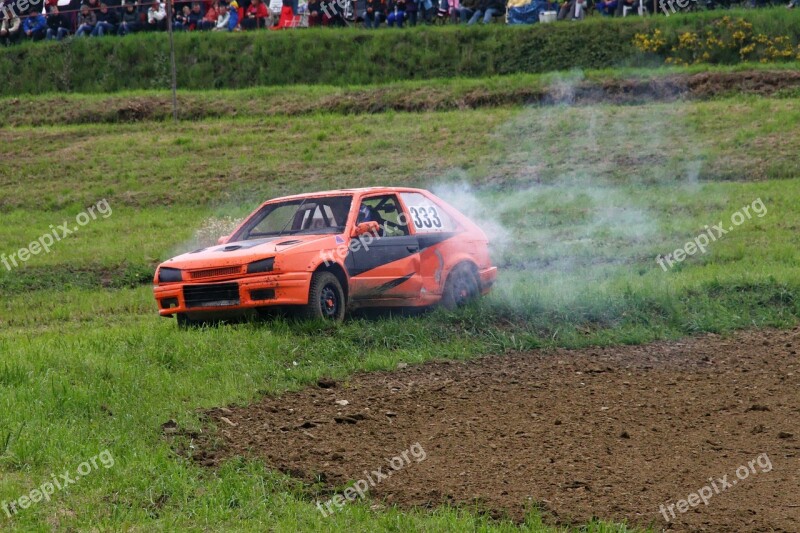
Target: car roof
357, 190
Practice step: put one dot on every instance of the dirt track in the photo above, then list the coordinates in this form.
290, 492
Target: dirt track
655, 88
612, 433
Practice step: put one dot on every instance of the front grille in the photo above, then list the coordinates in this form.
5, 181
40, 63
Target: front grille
216, 295
215, 272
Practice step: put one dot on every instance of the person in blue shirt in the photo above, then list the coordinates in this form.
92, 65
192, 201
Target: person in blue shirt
233, 20
34, 26
396, 13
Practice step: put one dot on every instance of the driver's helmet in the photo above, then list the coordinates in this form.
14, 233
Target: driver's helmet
365, 214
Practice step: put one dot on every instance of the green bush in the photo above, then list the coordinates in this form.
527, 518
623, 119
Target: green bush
345, 56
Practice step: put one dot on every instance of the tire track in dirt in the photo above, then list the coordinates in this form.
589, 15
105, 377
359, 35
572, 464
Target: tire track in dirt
601, 432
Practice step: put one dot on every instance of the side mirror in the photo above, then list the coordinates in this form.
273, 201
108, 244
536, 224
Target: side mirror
224, 239
364, 228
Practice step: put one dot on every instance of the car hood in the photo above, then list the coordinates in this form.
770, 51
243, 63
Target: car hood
241, 252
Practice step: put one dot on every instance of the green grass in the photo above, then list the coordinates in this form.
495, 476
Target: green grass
578, 201
441, 94
346, 56
239, 162
165, 183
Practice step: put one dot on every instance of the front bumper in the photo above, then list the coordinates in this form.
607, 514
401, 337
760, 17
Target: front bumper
253, 291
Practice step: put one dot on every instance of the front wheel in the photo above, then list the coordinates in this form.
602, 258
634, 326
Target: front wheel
325, 298
460, 288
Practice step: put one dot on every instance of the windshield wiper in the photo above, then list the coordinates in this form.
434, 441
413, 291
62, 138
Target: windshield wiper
299, 207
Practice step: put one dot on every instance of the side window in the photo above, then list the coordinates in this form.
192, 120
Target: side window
426, 215
386, 211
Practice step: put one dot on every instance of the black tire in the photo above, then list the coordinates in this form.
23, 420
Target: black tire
461, 287
325, 298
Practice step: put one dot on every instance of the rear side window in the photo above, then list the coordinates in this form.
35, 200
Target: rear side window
426, 215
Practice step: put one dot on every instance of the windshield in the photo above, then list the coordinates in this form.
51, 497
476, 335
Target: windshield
310, 216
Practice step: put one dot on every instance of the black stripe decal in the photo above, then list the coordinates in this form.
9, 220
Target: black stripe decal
387, 250
366, 256
426, 240
394, 283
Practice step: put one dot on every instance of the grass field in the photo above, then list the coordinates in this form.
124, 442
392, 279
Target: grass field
578, 200
344, 57
441, 94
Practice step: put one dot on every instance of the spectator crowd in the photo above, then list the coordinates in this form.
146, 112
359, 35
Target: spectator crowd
97, 18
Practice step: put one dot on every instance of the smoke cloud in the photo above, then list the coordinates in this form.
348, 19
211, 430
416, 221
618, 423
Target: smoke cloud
563, 200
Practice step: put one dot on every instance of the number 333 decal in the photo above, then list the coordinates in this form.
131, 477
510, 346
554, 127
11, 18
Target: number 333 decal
426, 217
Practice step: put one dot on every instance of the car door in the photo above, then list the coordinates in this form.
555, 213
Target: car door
386, 265
434, 229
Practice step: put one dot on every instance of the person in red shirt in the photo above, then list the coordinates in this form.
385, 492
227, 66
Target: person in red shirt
209, 21
256, 15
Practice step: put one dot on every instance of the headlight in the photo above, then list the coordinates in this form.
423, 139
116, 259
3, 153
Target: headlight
264, 265
169, 275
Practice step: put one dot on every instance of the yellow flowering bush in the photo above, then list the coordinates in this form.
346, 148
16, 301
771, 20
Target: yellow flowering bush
650, 43
726, 41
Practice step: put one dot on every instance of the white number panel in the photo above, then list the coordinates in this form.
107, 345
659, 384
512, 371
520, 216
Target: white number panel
425, 215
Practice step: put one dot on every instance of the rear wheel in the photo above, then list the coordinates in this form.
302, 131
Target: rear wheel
460, 288
325, 298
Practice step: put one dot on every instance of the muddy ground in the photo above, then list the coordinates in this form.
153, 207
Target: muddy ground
602, 432
198, 106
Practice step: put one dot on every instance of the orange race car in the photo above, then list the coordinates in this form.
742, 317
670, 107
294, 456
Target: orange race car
331, 251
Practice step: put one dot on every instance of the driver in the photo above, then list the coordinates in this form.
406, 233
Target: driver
367, 214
